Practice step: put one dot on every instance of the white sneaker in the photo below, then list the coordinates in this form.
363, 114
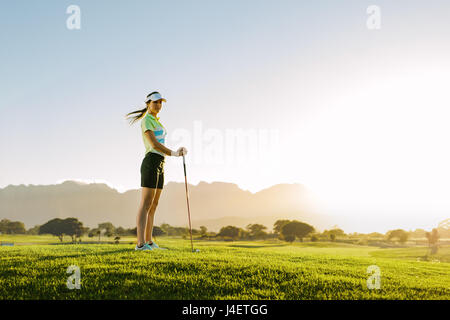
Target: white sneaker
146, 246
155, 246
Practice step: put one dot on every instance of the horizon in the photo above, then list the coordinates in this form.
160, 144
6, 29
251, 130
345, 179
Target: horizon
346, 229
121, 191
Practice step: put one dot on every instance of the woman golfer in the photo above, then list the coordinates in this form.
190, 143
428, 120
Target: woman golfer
152, 167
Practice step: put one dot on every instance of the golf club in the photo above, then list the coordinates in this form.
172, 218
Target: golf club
189, 213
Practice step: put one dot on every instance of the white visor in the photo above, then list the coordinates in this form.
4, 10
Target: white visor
154, 97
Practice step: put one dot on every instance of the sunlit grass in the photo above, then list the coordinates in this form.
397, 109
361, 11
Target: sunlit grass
221, 270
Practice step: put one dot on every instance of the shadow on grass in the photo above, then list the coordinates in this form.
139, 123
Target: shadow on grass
85, 254
83, 242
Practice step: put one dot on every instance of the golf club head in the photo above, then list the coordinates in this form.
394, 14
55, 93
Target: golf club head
196, 250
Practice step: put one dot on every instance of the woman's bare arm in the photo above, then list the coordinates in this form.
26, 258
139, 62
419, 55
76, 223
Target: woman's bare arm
150, 135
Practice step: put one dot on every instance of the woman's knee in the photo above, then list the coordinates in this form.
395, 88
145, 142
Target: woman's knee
146, 205
153, 206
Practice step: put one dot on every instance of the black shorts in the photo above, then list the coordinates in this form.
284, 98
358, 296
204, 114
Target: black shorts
152, 171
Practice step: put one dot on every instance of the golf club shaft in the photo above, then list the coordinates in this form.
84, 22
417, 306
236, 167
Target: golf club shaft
187, 199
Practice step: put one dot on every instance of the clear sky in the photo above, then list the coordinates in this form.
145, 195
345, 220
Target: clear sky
358, 116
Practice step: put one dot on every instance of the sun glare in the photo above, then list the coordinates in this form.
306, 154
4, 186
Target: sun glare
384, 150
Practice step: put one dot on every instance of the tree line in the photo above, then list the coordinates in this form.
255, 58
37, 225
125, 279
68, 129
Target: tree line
286, 230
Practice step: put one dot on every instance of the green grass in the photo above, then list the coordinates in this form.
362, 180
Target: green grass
417, 254
21, 239
221, 270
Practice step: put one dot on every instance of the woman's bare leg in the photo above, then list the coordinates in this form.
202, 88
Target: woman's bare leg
144, 207
151, 216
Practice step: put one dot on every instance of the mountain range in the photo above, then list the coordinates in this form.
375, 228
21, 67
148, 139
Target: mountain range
213, 205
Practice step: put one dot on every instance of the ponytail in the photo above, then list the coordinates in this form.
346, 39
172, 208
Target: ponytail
141, 112
137, 117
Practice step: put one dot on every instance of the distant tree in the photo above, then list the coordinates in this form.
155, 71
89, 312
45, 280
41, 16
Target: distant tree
95, 232
375, 235
333, 233
109, 233
34, 230
244, 234
12, 227
418, 233
256, 231
53, 227
337, 232
289, 237
400, 234
433, 236
176, 231
168, 229
98, 232
116, 240
182, 231
297, 229
16, 227
132, 231
433, 239
3, 224
403, 237
203, 230
60, 227
107, 228
278, 225
314, 238
82, 231
229, 231
119, 231
92, 232
157, 231
73, 228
